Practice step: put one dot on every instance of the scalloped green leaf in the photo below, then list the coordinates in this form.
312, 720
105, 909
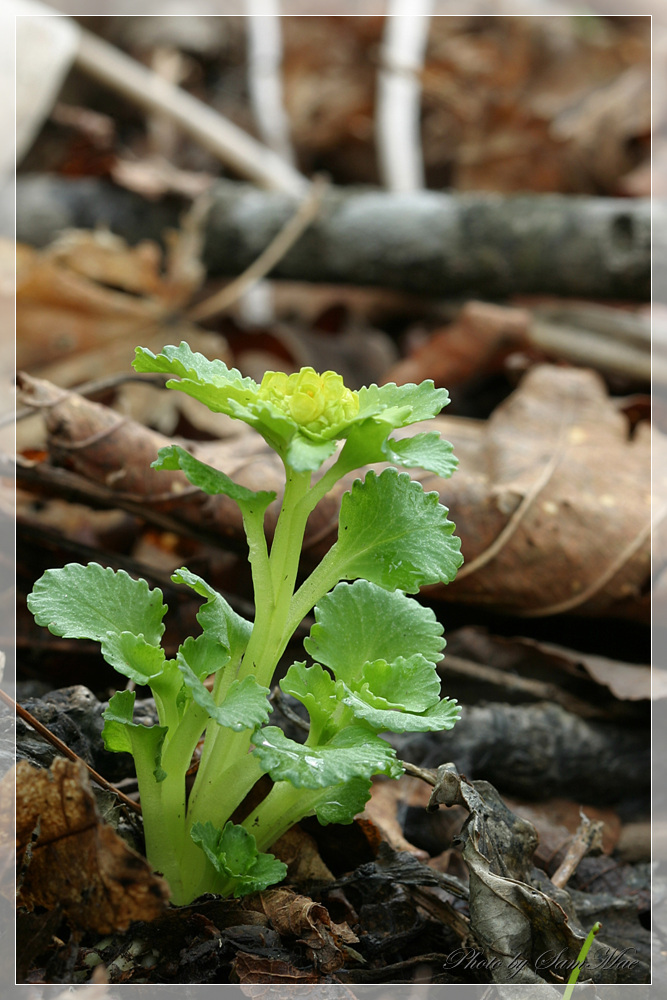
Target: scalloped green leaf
221, 389
216, 616
185, 363
444, 715
341, 803
234, 855
394, 534
205, 655
245, 705
351, 629
122, 735
354, 752
305, 455
88, 602
409, 683
402, 405
315, 689
211, 480
424, 451
133, 657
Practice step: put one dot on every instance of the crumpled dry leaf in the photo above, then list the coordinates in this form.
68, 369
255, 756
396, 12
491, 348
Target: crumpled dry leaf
296, 916
89, 288
254, 969
68, 857
552, 498
516, 924
476, 343
382, 807
298, 850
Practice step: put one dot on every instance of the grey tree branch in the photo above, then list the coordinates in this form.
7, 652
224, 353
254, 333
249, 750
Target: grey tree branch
424, 242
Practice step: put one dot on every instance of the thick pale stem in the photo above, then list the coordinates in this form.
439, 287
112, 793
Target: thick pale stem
268, 639
284, 806
325, 576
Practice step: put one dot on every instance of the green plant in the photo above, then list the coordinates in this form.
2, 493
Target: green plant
581, 958
374, 648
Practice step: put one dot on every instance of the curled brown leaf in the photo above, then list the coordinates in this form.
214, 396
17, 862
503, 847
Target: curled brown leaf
67, 856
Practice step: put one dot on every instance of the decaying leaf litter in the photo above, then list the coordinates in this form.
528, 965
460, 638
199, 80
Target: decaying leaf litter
551, 502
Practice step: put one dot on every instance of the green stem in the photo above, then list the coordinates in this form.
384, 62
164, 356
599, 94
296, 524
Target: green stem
325, 576
268, 639
586, 947
258, 556
220, 796
284, 806
164, 824
230, 774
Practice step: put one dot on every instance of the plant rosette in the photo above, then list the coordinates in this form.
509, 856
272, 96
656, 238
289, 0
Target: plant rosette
373, 648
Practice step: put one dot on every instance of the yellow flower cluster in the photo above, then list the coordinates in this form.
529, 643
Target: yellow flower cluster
317, 403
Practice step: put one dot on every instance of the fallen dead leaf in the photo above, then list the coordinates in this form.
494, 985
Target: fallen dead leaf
87, 289
297, 916
476, 343
529, 669
382, 806
516, 922
254, 969
298, 850
67, 856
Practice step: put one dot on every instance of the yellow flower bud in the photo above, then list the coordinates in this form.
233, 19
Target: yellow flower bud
318, 403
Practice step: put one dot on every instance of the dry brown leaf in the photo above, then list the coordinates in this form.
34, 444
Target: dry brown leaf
68, 857
557, 820
482, 335
88, 288
254, 969
298, 850
524, 668
552, 498
626, 681
382, 806
296, 916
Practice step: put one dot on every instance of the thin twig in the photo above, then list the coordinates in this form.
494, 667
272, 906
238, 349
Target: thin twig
425, 773
269, 257
44, 478
35, 724
526, 686
86, 389
587, 838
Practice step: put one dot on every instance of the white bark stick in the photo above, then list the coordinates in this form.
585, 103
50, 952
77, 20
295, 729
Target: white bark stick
398, 131
265, 56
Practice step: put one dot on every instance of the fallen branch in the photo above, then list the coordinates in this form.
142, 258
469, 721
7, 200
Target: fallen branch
540, 751
268, 258
424, 242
